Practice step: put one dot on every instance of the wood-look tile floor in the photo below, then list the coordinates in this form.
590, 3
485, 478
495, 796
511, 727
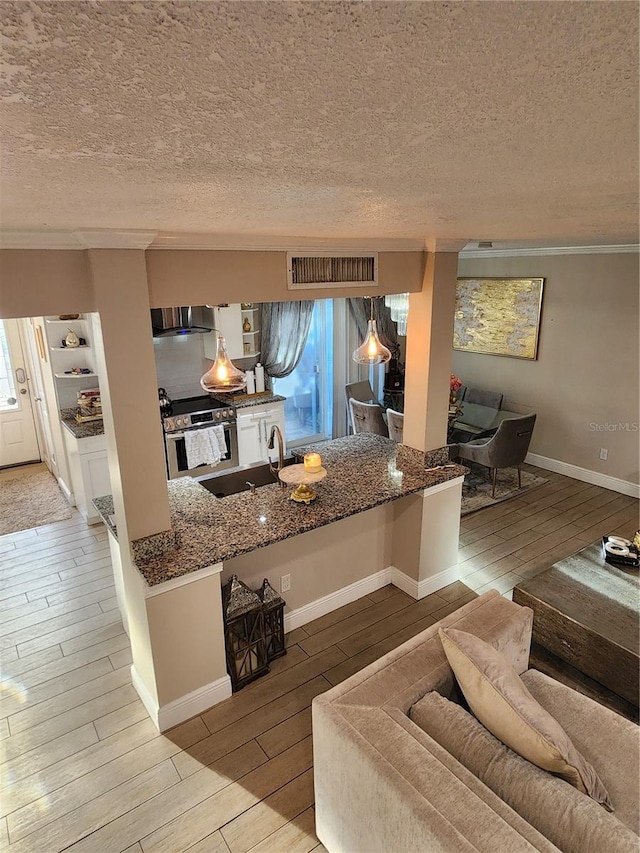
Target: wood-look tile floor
83, 767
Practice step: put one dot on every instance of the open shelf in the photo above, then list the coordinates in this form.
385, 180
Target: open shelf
69, 349
64, 322
74, 375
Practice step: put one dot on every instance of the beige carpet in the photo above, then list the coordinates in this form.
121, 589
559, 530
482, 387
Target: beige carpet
476, 490
30, 500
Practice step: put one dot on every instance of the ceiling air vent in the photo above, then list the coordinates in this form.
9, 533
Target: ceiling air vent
330, 270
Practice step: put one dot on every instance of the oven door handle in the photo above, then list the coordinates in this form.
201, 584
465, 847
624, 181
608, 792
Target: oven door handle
176, 436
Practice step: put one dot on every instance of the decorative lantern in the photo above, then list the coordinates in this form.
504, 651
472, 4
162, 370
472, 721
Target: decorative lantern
244, 633
273, 610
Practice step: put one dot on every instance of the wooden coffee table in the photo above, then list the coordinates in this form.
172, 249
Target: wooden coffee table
585, 611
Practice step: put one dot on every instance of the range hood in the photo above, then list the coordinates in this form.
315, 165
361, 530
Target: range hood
186, 320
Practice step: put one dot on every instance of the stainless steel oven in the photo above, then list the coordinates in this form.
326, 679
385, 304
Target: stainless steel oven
190, 415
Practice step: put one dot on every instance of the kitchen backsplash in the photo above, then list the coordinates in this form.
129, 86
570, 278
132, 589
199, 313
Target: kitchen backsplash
180, 363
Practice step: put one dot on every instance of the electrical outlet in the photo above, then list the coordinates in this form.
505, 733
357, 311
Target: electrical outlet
285, 583
604, 453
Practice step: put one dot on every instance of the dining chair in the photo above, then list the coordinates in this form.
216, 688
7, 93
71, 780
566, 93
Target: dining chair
505, 449
491, 399
395, 422
361, 391
367, 417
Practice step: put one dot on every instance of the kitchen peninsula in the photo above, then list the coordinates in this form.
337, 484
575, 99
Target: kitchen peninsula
364, 472
385, 528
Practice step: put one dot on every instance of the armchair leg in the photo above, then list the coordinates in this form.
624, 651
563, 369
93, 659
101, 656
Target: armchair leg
519, 478
494, 474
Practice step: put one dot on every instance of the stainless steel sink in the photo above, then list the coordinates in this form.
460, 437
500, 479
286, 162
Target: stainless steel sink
240, 479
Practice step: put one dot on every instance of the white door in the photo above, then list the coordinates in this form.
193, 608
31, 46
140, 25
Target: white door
18, 441
29, 329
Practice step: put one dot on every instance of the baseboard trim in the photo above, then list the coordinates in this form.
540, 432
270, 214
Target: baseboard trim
66, 491
321, 606
328, 603
193, 703
147, 699
420, 589
185, 707
593, 477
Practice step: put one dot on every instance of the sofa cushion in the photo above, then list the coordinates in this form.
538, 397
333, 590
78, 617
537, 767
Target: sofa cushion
610, 742
499, 699
570, 820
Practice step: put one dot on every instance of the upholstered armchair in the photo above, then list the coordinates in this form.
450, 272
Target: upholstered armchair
367, 417
505, 449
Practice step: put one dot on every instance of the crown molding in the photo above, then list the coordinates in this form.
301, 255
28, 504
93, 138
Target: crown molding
39, 240
99, 239
623, 249
77, 240
132, 239
444, 244
281, 243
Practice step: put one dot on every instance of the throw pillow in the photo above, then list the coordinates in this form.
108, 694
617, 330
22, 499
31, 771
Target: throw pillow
502, 703
571, 821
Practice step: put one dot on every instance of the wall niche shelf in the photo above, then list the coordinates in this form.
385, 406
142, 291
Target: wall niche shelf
69, 349
63, 358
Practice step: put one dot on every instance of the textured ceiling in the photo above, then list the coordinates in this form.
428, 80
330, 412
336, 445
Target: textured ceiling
490, 120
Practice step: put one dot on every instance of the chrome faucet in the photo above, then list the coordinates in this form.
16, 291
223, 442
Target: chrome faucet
275, 430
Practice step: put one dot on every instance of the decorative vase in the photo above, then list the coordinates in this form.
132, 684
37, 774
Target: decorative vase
72, 340
246, 326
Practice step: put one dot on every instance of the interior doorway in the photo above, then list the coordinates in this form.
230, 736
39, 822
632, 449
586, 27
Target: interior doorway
18, 437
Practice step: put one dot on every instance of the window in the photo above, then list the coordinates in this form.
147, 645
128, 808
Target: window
8, 399
309, 388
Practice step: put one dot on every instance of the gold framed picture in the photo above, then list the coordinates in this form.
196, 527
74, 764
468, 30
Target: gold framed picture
498, 316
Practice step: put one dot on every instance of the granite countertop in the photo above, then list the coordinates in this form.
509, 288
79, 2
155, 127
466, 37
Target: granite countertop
86, 430
364, 471
263, 400
106, 509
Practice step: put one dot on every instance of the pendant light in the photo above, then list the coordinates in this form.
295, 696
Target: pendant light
223, 377
372, 350
398, 304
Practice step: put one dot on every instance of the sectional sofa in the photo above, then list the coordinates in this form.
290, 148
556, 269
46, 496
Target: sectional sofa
384, 783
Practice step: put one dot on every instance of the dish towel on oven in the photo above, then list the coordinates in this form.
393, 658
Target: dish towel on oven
205, 446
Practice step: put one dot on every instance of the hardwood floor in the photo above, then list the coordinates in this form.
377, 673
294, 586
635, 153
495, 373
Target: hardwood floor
83, 767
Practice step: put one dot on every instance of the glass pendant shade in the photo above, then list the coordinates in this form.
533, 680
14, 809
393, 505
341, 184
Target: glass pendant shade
223, 377
372, 351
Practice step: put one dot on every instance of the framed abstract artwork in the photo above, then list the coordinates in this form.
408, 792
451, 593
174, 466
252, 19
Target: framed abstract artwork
498, 316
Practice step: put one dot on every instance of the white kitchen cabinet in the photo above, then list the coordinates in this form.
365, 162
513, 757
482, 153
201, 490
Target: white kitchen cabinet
254, 426
89, 470
228, 321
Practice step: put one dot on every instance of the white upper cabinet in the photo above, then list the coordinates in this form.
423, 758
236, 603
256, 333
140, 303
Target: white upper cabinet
240, 328
228, 321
